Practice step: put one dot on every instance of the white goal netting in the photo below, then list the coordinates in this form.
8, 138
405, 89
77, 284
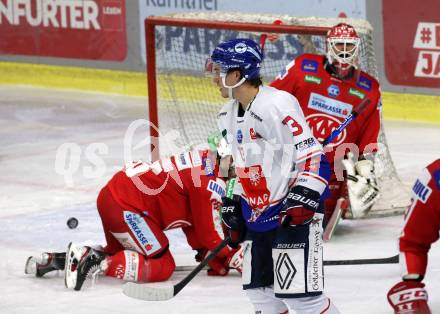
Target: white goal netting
188, 101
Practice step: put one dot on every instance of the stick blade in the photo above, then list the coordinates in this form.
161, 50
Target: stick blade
148, 292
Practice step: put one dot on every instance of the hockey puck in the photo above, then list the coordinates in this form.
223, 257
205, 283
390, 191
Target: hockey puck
72, 223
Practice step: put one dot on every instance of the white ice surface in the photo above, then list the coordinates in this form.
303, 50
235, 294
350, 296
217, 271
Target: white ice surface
35, 202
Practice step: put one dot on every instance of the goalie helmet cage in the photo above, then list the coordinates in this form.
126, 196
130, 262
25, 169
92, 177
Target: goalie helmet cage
183, 102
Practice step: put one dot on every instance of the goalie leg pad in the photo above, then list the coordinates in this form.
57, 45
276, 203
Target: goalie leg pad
257, 261
298, 260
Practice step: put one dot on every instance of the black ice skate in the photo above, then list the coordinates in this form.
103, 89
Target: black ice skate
39, 266
81, 262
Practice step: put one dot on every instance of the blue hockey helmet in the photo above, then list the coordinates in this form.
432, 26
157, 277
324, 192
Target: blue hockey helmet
240, 53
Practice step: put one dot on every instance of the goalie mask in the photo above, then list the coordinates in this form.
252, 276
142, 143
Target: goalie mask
343, 48
241, 54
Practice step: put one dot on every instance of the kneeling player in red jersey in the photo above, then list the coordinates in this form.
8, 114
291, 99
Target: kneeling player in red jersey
422, 226
136, 206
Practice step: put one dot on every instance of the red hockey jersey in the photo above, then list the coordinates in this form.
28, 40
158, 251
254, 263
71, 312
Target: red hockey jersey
183, 191
326, 101
422, 221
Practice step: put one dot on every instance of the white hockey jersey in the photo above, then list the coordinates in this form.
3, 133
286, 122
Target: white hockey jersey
273, 148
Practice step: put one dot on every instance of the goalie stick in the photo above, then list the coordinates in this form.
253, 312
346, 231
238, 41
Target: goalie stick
155, 293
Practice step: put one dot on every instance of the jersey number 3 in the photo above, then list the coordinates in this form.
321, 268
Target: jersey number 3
294, 126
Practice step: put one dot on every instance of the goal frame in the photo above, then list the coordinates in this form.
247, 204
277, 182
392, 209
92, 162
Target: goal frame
150, 38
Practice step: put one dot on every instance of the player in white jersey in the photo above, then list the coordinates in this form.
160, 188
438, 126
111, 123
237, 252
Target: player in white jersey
283, 177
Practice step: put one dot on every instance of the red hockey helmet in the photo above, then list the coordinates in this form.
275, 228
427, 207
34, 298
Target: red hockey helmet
343, 48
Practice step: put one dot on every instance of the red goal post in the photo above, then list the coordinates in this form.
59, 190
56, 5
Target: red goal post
181, 98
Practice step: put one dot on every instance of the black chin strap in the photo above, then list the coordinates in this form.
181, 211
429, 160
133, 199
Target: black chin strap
333, 70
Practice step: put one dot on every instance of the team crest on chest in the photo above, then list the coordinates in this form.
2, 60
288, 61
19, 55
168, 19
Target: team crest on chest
254, 176
322, 125
333, 90
239, 136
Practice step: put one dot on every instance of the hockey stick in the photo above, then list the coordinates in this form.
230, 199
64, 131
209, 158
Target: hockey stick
357, 111
367, 261
152, 293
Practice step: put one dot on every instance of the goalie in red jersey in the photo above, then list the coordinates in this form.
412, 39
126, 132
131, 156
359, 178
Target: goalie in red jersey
421, 229
328, 88
137, 205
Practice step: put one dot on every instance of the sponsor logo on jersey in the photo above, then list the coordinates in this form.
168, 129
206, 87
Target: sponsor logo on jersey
216, 188
364, 83
328, 105
309, 142
142, 232
436, 177
312, 79
252, 133
309, 66
356, 93
255, 116
421, 191
239, 136
207, 166
322, 125
333, 90
258, 201
183, 161
195, 158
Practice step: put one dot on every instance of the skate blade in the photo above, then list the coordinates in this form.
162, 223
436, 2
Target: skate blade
73, 257
31, 266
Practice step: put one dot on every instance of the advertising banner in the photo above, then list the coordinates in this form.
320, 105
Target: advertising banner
412, 42
318, 8
77, 29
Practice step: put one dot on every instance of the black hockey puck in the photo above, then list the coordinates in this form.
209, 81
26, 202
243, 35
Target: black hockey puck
72, 223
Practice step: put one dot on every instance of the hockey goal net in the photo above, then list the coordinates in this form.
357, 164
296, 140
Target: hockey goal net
183, 102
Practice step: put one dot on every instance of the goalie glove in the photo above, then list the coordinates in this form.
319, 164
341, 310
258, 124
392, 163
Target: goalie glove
409, 297
362, 188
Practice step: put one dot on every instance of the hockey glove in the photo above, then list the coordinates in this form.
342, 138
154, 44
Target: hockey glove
363, 191
409, 297
219, 266
233, 220
299, 206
